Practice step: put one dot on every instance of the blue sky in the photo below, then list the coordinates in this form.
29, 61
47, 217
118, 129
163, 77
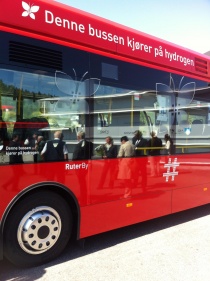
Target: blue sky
183, 22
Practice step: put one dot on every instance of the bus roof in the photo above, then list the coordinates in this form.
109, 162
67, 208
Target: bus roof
56, 22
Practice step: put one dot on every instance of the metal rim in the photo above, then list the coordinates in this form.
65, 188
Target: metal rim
39, 230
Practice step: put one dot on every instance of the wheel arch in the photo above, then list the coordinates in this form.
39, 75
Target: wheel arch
54, 187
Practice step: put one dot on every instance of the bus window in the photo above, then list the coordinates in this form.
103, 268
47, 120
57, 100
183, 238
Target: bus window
42, 102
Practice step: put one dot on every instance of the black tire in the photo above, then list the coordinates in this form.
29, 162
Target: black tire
37, 229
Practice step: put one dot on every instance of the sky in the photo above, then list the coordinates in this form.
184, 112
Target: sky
183, 22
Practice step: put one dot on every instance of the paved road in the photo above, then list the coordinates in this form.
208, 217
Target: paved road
173, 248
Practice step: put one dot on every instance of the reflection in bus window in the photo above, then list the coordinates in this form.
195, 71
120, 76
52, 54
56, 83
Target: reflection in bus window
170, 109
43, 102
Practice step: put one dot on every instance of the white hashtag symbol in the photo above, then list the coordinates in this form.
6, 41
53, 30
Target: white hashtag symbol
170, 165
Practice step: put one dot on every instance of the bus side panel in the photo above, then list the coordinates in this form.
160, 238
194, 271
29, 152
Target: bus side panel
189, 197
1, 243
115, 214
41, 175
192, 182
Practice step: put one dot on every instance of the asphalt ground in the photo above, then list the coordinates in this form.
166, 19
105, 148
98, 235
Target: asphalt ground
171, 248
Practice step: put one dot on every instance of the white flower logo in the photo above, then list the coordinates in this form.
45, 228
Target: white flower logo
29, 10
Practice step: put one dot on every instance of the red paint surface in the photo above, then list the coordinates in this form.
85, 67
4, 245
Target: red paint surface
103, 203
51, 21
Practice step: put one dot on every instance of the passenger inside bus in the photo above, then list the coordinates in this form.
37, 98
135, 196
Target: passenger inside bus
139, 142
55, 150
15, 155
83, 149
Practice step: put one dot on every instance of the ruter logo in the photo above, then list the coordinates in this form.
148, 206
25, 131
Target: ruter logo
29, 10
171, 165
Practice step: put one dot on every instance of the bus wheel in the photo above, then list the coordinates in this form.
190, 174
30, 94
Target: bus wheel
37, 229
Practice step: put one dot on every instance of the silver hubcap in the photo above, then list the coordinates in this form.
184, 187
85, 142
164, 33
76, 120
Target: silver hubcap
39, 230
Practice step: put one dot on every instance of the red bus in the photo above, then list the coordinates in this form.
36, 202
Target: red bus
69, 72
